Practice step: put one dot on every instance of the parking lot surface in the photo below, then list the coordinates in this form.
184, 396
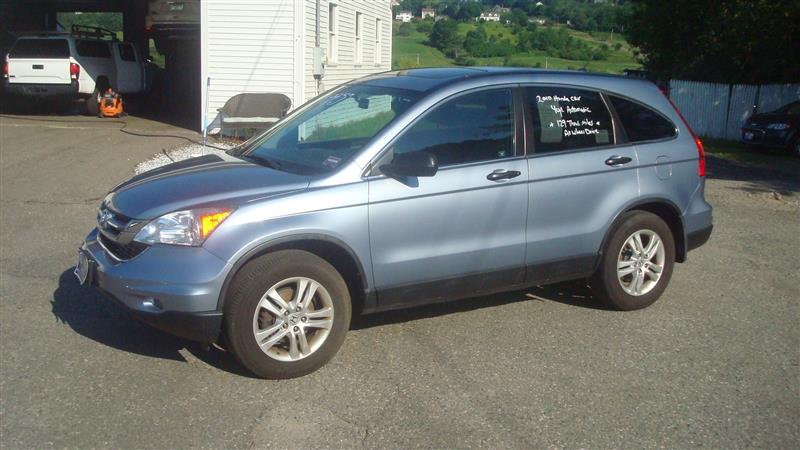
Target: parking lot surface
714, 363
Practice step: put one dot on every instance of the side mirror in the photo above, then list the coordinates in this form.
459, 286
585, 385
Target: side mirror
413, 164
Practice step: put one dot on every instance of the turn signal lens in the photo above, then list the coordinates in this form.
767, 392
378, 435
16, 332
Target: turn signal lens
209, 222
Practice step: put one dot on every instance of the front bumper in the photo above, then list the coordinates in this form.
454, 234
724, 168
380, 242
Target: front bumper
175, 289
765, 138
41, 90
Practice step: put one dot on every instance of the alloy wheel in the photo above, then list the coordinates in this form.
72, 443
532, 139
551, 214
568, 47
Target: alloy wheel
293, 319
640, 262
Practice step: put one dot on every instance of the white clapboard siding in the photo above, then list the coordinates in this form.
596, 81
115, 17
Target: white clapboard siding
267, 46
345, 68
248, 46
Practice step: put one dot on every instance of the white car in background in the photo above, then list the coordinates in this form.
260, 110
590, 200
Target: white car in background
83, 63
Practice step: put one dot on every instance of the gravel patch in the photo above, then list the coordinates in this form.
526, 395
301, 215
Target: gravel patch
179, 154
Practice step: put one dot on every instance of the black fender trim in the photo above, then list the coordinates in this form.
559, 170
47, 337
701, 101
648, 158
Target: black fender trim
680, 241
369, 296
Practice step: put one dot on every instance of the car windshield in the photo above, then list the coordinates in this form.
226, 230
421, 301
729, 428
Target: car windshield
791, 108
331, 130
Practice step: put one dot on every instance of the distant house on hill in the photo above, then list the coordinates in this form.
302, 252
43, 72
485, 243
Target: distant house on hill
488, 17
428, 12
500, 10
404, 16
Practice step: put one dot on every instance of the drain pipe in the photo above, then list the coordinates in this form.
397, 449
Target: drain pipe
317, 63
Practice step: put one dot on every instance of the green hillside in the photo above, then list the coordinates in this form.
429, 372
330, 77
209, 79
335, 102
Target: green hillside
414, 51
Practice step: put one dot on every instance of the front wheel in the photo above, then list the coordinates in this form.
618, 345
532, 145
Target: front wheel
287, 314
637, 262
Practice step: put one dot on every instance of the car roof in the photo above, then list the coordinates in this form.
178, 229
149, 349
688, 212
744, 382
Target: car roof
429, 79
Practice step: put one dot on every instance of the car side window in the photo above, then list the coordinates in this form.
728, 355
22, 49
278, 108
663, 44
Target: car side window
92, 49
469, 128
640, 122
568, 119
126, 52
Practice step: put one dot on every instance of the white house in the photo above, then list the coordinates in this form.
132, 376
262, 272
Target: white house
270, 46
489, 17
404, 16
428, 12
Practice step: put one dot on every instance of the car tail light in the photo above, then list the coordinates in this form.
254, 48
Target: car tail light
5, 69
74, 70
701, 153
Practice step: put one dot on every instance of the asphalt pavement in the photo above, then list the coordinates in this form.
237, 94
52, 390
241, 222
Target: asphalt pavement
714, 363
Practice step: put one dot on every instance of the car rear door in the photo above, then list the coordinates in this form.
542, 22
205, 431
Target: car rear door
462, 231
39, 61
580, 179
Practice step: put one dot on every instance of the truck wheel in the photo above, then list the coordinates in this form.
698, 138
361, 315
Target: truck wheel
286, 314
637, 262
93, 103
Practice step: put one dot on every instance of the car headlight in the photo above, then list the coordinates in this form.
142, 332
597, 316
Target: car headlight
190, 227
778, 126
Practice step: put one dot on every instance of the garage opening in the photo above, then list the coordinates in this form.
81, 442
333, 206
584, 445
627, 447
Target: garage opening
157, 69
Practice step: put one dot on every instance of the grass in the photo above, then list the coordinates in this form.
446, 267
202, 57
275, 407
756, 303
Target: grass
413, 51
768, 158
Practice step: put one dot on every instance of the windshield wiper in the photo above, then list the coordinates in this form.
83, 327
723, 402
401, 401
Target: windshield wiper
266, 162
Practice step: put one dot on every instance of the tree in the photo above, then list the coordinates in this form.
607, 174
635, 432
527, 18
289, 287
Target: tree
444, 36
729, 41
468, 11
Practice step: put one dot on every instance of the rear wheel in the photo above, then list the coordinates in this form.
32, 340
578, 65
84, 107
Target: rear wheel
287, 314
637, 262
93, 103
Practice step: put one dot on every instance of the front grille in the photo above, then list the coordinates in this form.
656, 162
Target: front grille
120, 251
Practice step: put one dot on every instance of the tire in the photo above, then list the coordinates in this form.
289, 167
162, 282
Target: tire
623, 292
92, 103
248, 311
794, 147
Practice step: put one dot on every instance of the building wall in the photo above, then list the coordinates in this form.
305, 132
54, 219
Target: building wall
345, 67
247, 46
267, 46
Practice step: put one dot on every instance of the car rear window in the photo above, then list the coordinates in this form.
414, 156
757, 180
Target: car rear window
568, 119
93, 49
40, 49
640, 122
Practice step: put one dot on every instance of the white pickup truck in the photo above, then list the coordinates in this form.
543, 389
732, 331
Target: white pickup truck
80, 64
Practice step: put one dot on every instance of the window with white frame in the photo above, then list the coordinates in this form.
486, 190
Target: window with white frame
359, 36
378, 41
333, 32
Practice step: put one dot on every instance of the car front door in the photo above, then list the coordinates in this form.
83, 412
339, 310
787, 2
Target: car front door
461, 231
581, 177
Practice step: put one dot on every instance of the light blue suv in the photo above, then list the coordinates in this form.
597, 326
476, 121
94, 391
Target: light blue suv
400, 189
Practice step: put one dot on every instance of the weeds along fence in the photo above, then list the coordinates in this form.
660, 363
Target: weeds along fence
718, 110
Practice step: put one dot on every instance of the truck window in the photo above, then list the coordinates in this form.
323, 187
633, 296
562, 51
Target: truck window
40, 49
92, 49
126, 52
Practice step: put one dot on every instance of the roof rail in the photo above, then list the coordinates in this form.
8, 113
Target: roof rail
39, 33
88, 31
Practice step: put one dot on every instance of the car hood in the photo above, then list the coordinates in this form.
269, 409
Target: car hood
765, 119
211, 180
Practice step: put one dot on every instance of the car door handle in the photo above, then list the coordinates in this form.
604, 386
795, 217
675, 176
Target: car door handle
502, 174
616, 161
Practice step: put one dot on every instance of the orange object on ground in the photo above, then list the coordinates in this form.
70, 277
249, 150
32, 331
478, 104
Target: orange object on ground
110, 104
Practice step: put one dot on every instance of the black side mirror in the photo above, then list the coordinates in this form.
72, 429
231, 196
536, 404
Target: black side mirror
413, 164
